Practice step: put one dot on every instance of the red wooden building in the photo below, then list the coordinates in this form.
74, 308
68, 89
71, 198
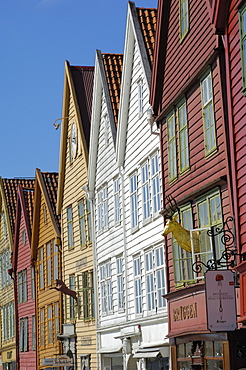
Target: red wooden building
24, 282
195, 98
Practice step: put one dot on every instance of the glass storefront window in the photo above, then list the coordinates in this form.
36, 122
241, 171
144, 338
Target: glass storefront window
184, 365
181, 350
214, 365
208, 349
218, 349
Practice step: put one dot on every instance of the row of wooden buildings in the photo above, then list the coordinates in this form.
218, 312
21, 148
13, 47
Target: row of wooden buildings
153, 138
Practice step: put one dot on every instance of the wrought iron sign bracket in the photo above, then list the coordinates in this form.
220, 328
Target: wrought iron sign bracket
228, 257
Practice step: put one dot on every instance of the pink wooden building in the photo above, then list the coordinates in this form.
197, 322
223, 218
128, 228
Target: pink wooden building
24, 283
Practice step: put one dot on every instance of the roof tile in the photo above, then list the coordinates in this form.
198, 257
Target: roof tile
147, 20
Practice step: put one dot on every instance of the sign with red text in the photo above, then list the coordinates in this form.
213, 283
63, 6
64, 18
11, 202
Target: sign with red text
220, 300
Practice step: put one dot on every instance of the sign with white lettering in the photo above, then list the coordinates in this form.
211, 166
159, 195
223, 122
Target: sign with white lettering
220, 300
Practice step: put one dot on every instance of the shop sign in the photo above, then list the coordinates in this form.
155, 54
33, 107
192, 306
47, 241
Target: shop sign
63, 360
47, 361
220, 300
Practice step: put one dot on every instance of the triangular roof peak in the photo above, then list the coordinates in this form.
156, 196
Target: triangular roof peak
46, 183
25, 199
78, 81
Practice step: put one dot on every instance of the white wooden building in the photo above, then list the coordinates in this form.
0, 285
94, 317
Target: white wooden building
125, 188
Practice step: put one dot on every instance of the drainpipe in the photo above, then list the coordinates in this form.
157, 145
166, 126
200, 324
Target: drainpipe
231, 141
90, 195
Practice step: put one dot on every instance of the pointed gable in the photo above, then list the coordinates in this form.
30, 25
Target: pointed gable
140, 39
77, 101
10, 187
24, 209
46, 185
83, 85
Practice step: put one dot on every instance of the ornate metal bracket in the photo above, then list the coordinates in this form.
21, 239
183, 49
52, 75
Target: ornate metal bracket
228, 257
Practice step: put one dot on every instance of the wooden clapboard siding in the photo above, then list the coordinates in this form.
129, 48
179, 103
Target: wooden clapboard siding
238, 114
73, 176
197, 45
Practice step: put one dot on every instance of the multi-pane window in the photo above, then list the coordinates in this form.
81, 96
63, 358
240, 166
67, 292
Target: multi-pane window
145, 191
33, 332
183, 137
23, 237
86, 295
208, 114
156, 190
182, 259
106, 288
32, 282
55, 260
70, 227
160, 276
116, 200
84, 210
155, 278
134, 200
242, 17
22, 286
120, 282
150, 286
5, 264
140, 96
209, 216
56, 318
8, 321
184, 18
71, 299
41, 268
172, 155
202, 247
49, 263
23, 334
102, 208
137, 285
3, 225
50, 324
42, 327
82, 228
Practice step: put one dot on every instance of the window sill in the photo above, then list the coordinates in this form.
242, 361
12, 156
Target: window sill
209, 154
147, 221
134, 229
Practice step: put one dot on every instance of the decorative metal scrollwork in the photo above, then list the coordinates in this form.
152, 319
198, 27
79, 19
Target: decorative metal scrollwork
228, 257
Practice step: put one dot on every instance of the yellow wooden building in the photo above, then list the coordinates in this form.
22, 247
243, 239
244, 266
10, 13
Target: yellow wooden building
8, 199
77, 258
46, 255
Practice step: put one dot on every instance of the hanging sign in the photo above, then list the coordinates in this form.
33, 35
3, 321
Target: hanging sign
220, 300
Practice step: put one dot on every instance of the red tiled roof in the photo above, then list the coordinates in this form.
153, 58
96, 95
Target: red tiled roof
147, 20
113, 70
83, 84
51, 183
10, 187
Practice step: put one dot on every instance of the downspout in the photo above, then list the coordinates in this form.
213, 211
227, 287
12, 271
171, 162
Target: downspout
231, 141
124, 238
16, 322
90, 195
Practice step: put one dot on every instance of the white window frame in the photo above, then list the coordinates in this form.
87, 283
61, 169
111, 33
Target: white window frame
106, 288
70, 240
138, 285
140, 97
183, 18
172, 147
150, 283
120, 282
155, 183
102, 208
134, 200
208, 114
184, 164
116, 200
145, 179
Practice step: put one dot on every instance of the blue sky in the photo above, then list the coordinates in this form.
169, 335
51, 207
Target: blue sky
36, 37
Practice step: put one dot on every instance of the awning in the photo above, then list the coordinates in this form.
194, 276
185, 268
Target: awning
109, 349
152, 352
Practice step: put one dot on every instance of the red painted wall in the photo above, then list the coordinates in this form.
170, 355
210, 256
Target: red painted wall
27, 360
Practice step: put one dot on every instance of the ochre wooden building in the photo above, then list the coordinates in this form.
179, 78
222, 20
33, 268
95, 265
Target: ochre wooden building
46, 256
77, 256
